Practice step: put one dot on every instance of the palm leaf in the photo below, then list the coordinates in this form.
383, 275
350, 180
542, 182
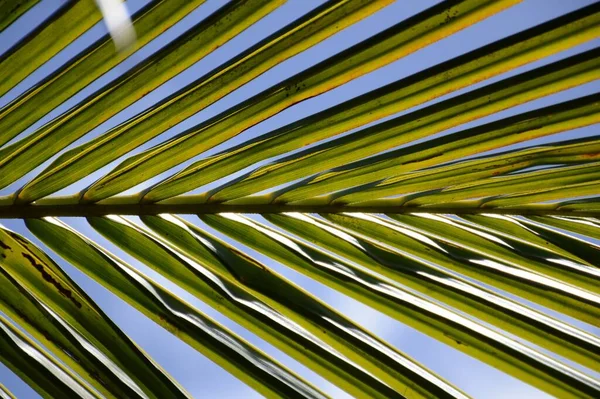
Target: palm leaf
480, 234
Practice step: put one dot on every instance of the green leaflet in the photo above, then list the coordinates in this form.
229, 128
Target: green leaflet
509, 228
461, 171
46, 282
227, 22
546, 194
5, 393
524, 270
360, 346
296, 37
435, 320
403, 167
37, 368
418, 273
54, 34
202, 333
10, 10
360, 59
91, 63
585, 250
460, 72
66, 343
586, 226
242, 306
564, 74
395, 165
526, 183
585, 204
478, 253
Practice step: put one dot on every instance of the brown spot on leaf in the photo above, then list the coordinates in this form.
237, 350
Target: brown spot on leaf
48, 277
3, 245
592, 155
18, 238
27, 320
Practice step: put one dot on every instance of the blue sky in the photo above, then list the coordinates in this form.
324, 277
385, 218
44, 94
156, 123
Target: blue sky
196, 373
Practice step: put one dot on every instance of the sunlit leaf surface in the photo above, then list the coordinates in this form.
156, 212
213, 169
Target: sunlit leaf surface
326, 198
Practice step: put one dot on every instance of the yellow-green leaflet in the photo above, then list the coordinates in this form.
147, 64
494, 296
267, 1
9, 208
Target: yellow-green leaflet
193, 45
5, 393
305, 32
10, 10
584, 250
519, 183
540, 82
366, 350
42, 372
396, 42
449, 76
202, 333
522, 271
91, 63
243, 306
585, 226
439, 321
45, 280
578, 151
54, 34
409, 267
589, 204
395, 169
68, 345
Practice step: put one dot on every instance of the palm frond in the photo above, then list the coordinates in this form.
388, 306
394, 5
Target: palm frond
463, 213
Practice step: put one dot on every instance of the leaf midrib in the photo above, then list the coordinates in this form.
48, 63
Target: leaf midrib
85, 210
